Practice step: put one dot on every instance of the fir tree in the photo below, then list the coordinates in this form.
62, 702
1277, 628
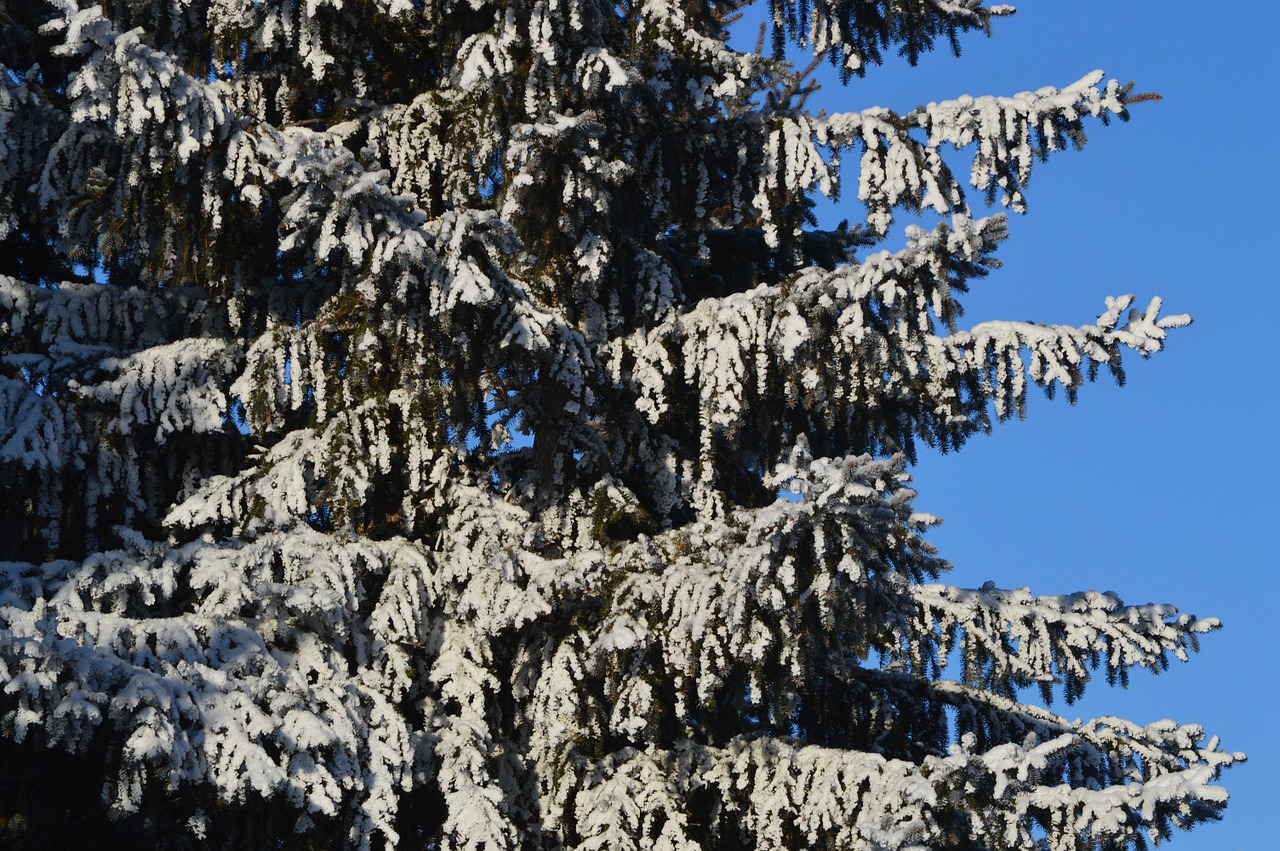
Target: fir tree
398, 406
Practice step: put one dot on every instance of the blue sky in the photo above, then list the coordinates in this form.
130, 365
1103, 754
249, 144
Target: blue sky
1164, 490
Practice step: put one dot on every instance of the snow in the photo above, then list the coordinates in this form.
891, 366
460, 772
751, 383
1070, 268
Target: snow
417, 447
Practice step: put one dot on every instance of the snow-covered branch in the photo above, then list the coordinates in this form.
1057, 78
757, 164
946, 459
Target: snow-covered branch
1010, 133
853, 33
1009, 639
853, 358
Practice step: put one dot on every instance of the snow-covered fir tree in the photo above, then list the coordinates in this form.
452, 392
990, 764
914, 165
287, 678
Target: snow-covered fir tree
442, 424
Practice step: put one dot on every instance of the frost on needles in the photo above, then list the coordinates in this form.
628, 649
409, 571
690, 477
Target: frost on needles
397, 405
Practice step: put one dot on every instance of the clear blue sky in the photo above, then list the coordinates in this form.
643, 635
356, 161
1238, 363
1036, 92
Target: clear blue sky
1164, 490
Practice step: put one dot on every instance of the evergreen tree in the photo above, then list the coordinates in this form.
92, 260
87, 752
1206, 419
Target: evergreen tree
399, 406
